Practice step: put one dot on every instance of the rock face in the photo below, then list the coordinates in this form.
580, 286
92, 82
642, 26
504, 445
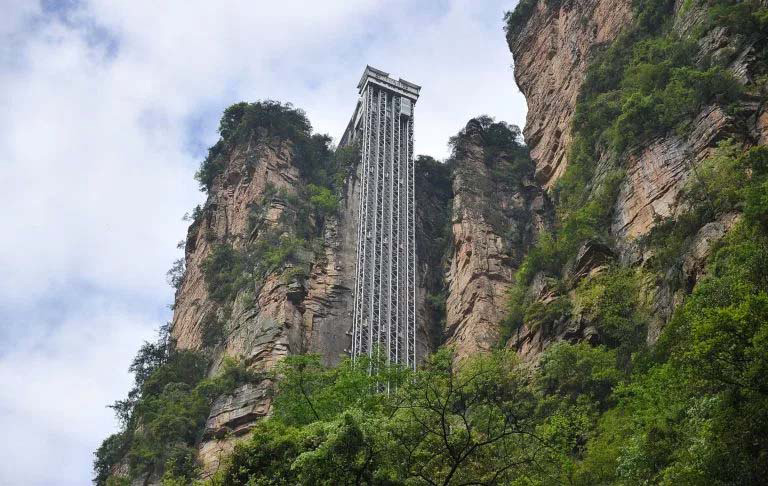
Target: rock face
278, 316
551, 51
657, 174
493, 223
551, 55
281, 314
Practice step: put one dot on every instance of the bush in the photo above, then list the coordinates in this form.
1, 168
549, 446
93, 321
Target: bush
264, 120
211, 330
175, 275
610, 301
516, 19
226, 272
167, 413
107, 456
579, 371
323, 200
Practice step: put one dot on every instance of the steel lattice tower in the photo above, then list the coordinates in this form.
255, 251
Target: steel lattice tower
384, 316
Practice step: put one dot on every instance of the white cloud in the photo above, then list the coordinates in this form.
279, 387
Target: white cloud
56, 385
104, 108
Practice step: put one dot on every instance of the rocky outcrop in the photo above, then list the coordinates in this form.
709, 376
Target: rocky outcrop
232, 417
552, 50
551, 54
493, 223
656, 174
277, 315
555, 322
590, 259
248, 171
284, 312
680, 279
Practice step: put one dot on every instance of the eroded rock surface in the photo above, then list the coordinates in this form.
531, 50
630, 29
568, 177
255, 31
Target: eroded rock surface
493, 224
551, 55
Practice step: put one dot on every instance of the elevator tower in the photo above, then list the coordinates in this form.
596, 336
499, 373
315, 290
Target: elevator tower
384, 316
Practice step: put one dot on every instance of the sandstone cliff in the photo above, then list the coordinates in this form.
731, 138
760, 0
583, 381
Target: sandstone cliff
553, 46
303, 305
270, 317
551, 53
497, 214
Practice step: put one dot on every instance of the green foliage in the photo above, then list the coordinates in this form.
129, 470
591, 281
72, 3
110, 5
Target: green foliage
440, 425
323, 200
579, 372
697, 410
515, 20
264, 120
611, 301
176, 274
747, 18
109, 453
271, 121
309, 391
756, 193
538, 314
589, 221
226, 272
266, 459
434, 176
503, 150
165, 413
697, 415
433, 203
211, 330
436, 303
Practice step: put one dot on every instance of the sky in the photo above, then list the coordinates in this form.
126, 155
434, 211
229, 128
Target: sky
106, 110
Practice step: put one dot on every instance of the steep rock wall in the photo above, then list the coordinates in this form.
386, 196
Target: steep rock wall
282, 314
493, 223
278, 315
551, 53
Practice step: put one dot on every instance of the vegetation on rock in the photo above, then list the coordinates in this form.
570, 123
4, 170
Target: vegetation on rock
164, 414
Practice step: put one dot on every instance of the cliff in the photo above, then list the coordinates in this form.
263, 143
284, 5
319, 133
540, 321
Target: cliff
497, 214
572, 60
257, 206
551, 52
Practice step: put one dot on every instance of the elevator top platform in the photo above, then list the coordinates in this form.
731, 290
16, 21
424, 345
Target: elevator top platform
380, 78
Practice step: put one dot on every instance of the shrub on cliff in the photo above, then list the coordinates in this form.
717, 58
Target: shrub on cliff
263, 120
225, 270
165, 412
515, 20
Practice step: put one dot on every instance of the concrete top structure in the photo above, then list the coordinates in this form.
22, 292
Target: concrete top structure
381, 79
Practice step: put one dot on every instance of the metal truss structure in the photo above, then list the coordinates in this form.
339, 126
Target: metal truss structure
384, 317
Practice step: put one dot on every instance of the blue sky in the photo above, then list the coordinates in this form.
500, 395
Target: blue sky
106, 108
